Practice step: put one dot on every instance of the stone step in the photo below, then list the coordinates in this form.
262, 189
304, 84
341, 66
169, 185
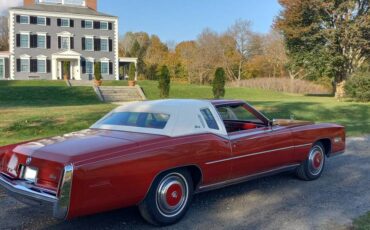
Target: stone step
120, 93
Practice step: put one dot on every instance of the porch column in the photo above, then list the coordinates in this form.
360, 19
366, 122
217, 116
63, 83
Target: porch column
54, 69
78, 71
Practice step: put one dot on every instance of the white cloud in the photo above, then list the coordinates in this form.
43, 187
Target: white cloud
5, 4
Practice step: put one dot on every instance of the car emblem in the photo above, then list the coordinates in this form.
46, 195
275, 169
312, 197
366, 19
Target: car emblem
28, 161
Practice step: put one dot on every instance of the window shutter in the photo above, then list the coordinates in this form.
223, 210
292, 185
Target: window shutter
59, 42
35, 38
48, 42
18, 19
96, 25
48, 22
33, 20
32, 40
83, 43
33, 66
110, 45
83, 24
110, 25
18, 65
83, 66
59, 22
48, 66
110, 68
97, 44
72, 23
72, 43
18, 40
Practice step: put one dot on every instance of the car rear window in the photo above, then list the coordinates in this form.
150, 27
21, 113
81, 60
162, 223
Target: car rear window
135, 119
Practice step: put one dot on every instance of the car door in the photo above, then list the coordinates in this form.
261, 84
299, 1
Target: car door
260, 150
256, 145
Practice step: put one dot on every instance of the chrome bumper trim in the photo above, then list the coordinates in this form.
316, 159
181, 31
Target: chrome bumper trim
20, 190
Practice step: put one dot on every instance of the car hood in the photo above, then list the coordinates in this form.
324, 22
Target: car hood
291, 123
83, 145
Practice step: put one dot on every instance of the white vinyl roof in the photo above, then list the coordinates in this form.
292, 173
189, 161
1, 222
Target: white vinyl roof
185, 117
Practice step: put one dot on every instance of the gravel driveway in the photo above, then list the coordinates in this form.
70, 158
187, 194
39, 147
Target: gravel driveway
276, 202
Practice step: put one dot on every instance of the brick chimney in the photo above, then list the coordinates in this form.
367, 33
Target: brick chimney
28, 2
92, 4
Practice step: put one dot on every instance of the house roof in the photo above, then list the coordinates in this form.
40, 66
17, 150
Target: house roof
62, 9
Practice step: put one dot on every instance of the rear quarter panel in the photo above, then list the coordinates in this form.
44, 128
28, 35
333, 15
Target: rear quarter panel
121, 180
312, 133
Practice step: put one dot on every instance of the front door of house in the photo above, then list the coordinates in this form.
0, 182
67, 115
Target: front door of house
2, 68
66, 70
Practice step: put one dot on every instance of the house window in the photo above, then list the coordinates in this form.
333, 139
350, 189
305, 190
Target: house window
2, 68
89, 24
41, 65
64, 22
41, 41
65, 42
25, 40
25, 65
104, 44
104, 67
41, 21
24, 19
89, 67
89, 44
104, 25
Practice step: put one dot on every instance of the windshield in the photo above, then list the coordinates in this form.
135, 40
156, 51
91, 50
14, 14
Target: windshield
135, 119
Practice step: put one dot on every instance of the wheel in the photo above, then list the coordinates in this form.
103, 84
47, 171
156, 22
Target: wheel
168, 199
313, 166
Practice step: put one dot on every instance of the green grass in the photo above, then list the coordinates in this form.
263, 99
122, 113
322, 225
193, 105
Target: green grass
362, 223
34, 109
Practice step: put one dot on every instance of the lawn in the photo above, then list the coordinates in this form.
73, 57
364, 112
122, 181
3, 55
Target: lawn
33, 109
362, 223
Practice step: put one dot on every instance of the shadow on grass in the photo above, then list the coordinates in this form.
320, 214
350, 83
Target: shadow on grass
40, 96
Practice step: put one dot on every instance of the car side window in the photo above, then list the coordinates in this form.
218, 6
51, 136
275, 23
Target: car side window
209, 118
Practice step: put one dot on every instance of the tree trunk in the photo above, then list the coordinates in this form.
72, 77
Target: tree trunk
339, 89
239, 73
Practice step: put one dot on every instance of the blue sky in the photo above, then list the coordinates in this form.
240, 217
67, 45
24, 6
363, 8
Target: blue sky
179, 20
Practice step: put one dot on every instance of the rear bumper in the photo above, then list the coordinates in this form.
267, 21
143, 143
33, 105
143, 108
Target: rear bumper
31, 195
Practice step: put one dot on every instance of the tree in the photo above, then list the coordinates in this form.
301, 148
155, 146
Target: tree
218, 83
97, 71
132, 72
326, 38
242, 34
164, 82
275, 53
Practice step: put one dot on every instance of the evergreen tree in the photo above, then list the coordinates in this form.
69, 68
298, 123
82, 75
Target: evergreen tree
164, 81
97, 71
218, 83
131, 72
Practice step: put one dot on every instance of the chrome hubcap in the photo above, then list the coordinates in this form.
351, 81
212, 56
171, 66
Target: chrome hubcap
172, 195
316, 160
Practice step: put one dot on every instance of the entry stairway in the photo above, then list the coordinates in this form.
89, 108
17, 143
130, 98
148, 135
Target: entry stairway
120, 93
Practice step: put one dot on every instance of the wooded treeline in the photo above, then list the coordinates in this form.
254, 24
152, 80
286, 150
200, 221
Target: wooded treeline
325, 41
242, 53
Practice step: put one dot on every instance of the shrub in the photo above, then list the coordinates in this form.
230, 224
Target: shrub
97, 71
164, 81
218, 83
358, 87
285, 85
131, 72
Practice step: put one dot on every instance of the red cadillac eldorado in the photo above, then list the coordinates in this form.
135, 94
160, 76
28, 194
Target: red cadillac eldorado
158, 154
